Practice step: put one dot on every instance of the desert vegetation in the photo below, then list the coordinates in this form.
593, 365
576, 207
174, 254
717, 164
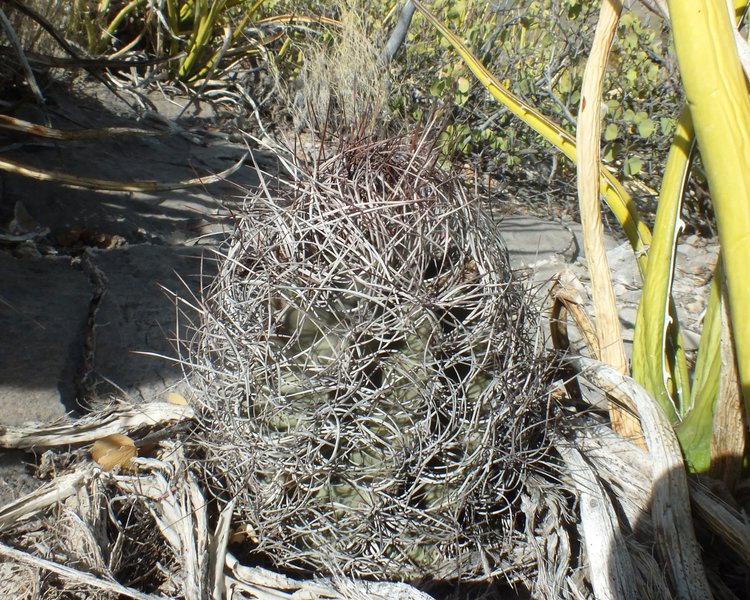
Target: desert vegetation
373, 398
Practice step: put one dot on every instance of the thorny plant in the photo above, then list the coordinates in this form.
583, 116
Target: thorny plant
369, 374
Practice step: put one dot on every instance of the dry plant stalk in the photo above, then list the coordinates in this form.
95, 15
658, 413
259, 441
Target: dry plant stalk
589, 142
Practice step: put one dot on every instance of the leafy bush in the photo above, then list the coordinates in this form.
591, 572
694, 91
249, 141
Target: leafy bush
538, 51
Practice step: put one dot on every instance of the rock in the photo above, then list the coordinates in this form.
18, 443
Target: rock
533, 242
137, 315
43, 310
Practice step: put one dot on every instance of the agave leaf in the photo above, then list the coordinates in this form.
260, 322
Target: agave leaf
695, 430
204, 27
658, 358
111, 30
708, 363
716, 88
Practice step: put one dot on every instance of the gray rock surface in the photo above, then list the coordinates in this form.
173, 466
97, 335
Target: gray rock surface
136, 319
44, 306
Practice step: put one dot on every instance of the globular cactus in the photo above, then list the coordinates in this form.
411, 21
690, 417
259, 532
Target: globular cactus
368, 369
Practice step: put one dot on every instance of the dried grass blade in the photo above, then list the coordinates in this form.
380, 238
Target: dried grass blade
265, 584
725, 521
13, 38
180, 511
93, 183
9, 123
50, 493
257, 579
622, 465
71, 574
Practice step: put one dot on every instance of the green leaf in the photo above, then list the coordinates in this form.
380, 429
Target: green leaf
463, 85
612, 152
565, 83
611, 132
658, 362
667, 126
696, 429
708, 363
457, 11
633, 165
646, 128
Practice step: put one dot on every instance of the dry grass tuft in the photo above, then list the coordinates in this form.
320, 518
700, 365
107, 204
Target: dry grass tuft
344, 85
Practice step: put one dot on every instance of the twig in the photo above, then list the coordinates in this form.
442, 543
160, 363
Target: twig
14, 124
30, 79
93, 183
398, 35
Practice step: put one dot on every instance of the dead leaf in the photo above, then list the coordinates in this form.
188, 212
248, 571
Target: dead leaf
243, 533
177, 398
116, 450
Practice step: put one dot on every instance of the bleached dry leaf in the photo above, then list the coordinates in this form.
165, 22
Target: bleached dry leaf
116, 450
42, 498
670, 503
90, 428
177, 398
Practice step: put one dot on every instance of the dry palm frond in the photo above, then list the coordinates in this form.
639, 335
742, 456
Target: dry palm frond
88, 429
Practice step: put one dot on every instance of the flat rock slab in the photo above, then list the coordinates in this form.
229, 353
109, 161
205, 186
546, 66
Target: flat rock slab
44, 306
136, 321
47, 308
76, 216
534, 243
